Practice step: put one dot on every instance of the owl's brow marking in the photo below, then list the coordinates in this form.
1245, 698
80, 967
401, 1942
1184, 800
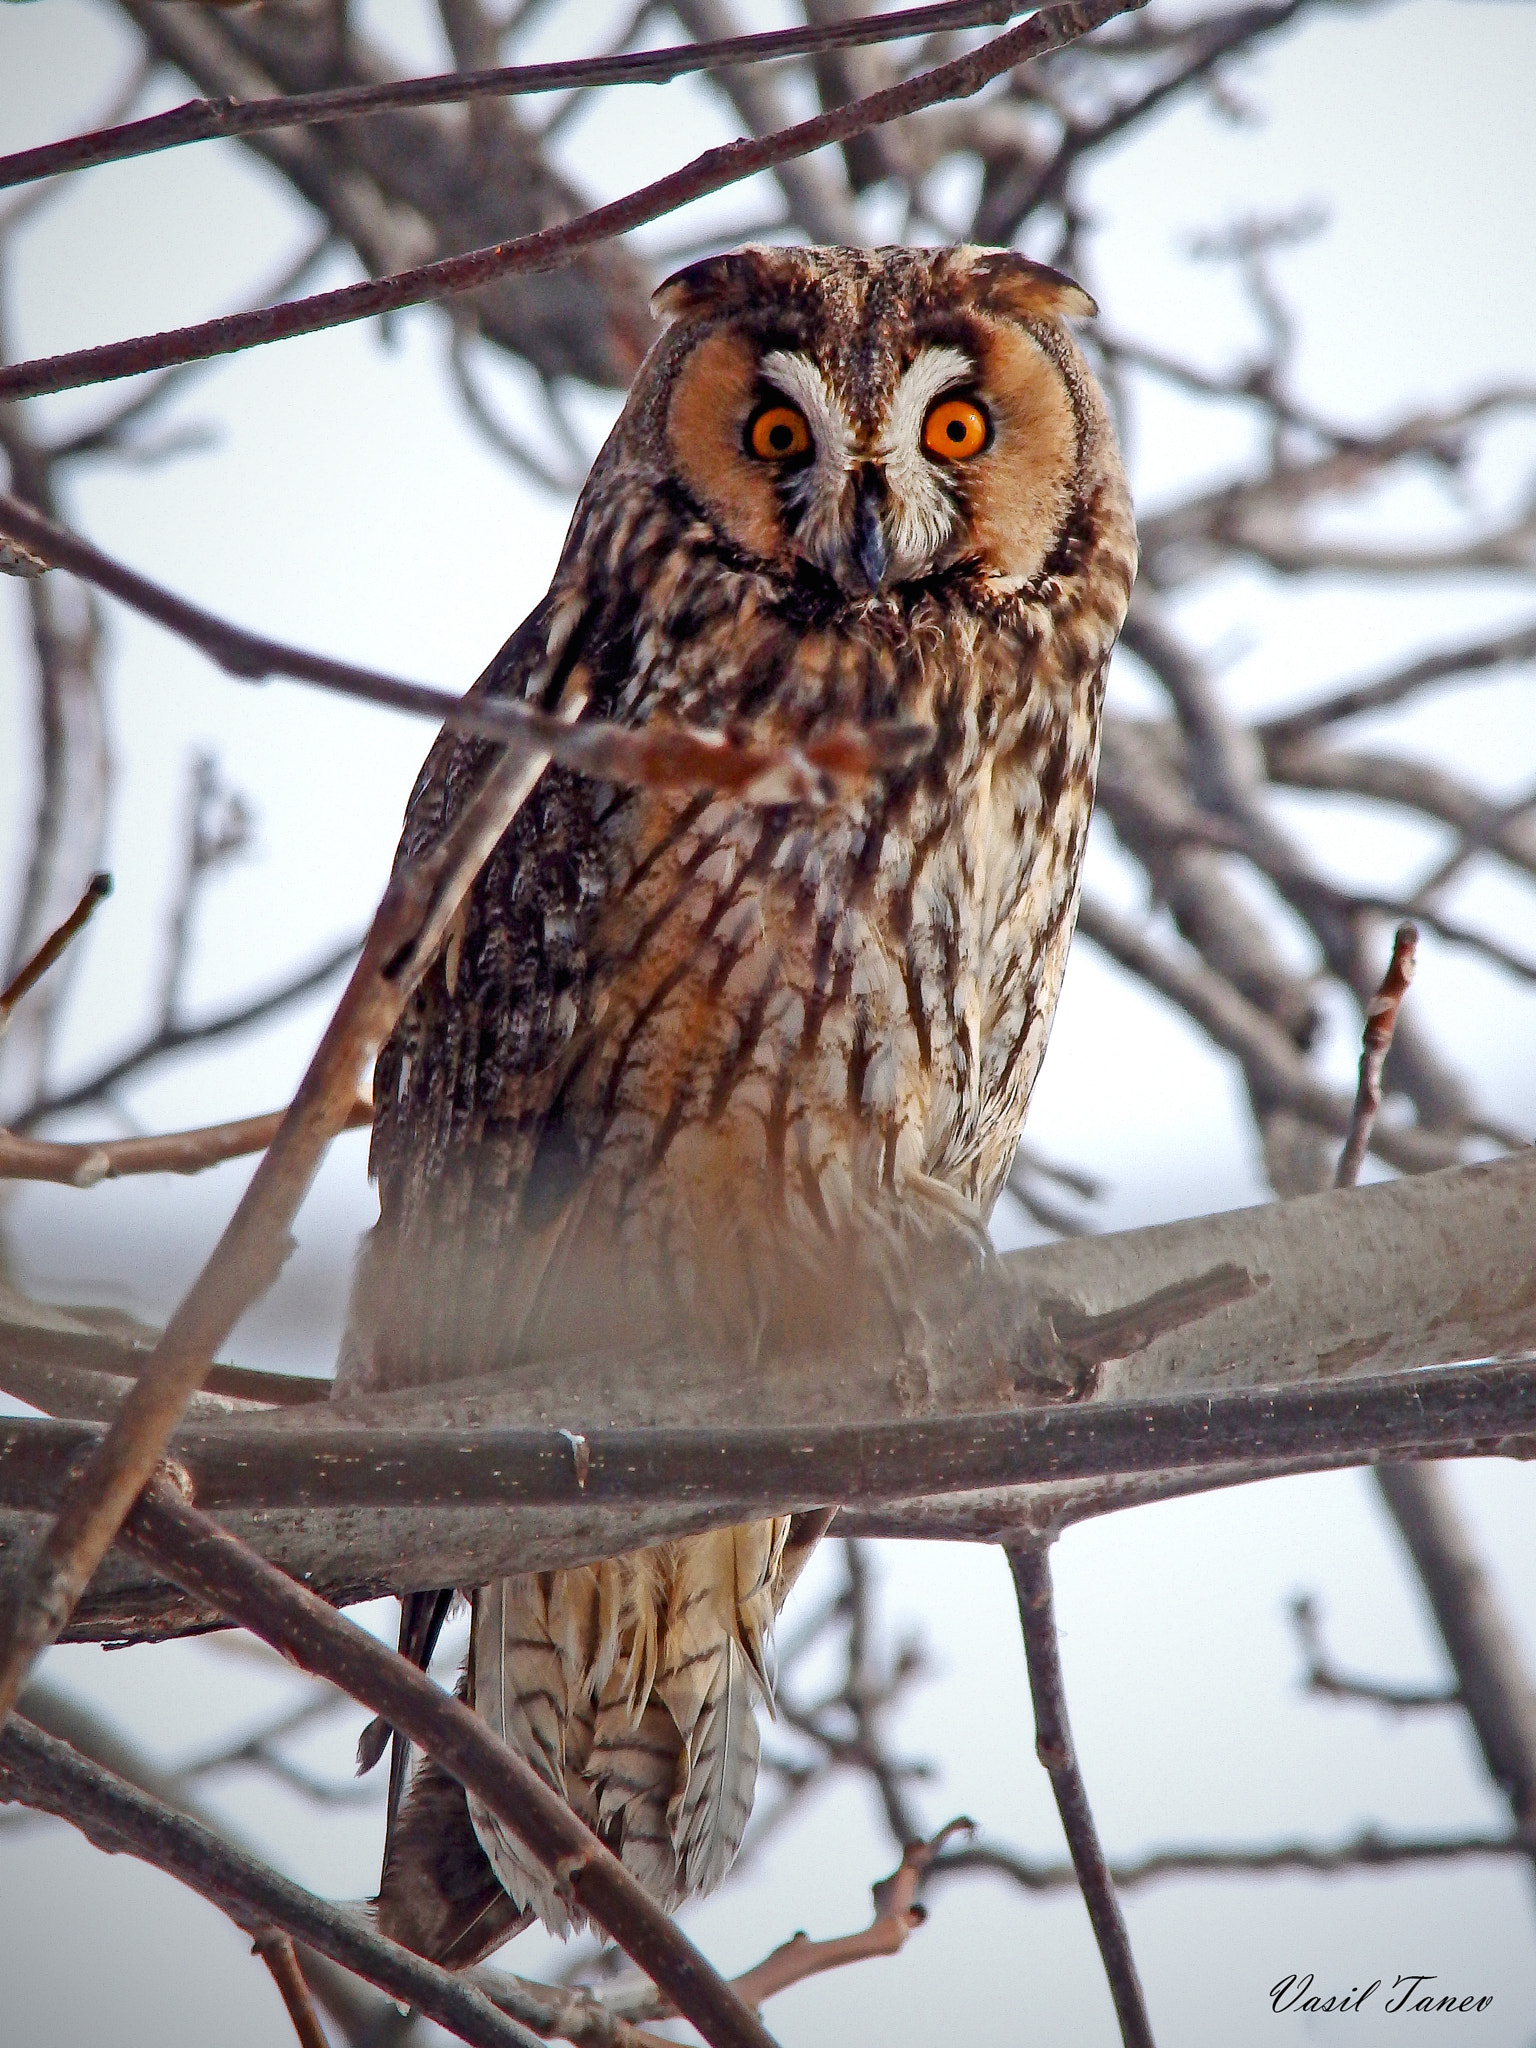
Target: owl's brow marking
922, 510
932, 373
800, 379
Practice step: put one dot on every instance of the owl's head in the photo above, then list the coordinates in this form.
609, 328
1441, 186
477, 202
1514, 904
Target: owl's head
879, 417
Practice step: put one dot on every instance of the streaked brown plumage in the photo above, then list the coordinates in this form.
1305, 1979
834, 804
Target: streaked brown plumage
689, 1070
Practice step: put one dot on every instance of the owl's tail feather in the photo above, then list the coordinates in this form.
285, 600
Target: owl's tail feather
630, 1686
525, 1649
633, 1769
713, 1666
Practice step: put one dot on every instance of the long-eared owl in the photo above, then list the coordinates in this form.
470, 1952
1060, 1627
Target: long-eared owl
692, 1069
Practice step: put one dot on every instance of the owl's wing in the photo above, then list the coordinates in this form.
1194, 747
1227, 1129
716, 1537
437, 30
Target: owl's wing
464, 1087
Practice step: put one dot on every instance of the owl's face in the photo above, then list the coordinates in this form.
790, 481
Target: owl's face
879, 417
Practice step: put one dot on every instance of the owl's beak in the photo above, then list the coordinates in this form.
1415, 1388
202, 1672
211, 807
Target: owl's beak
869, 548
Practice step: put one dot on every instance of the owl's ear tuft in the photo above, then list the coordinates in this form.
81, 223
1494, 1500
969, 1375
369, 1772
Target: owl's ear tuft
714, 285
1026, 290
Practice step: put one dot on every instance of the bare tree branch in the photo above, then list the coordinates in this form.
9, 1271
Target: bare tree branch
107, 436
344, 1508
276, 1951
1275, 1071
1368, 1850
202, 120
1380, 1024
661, 755
713, 171
1450, 664
74, 773
84, 1165
1031, 1568
1492, 1682
1415, 785
406, 932
47, 1774
366, 2021
215, 1567
31, 971
1322, 1677
166, 1040
897, 1915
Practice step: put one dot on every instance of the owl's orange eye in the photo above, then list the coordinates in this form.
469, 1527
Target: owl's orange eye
956, 429
778, 433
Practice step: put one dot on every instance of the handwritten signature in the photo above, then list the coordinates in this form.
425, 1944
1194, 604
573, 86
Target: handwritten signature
1296, 1994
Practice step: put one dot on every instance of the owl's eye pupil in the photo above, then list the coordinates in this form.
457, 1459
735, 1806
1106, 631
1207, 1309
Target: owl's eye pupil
956, 429
777, 433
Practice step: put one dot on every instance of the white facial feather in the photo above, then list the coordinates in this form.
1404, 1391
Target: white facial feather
802, 382
818, 488
921, 511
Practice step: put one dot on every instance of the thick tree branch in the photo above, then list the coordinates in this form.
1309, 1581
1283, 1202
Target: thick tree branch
365, 1513
215, 1567
46, 1773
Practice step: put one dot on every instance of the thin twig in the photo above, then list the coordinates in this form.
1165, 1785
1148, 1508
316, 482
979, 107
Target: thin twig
1380, 1024
98, 889
1322, 1677
1052, 29
276, 1951
897, 1914
661, 755
214, 1566
1367, 1850
407, 929
1031, 1568
167, 1039
84, 1165
204, 120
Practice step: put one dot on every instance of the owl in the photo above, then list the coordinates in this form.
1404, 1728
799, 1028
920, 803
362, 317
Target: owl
693, 1070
